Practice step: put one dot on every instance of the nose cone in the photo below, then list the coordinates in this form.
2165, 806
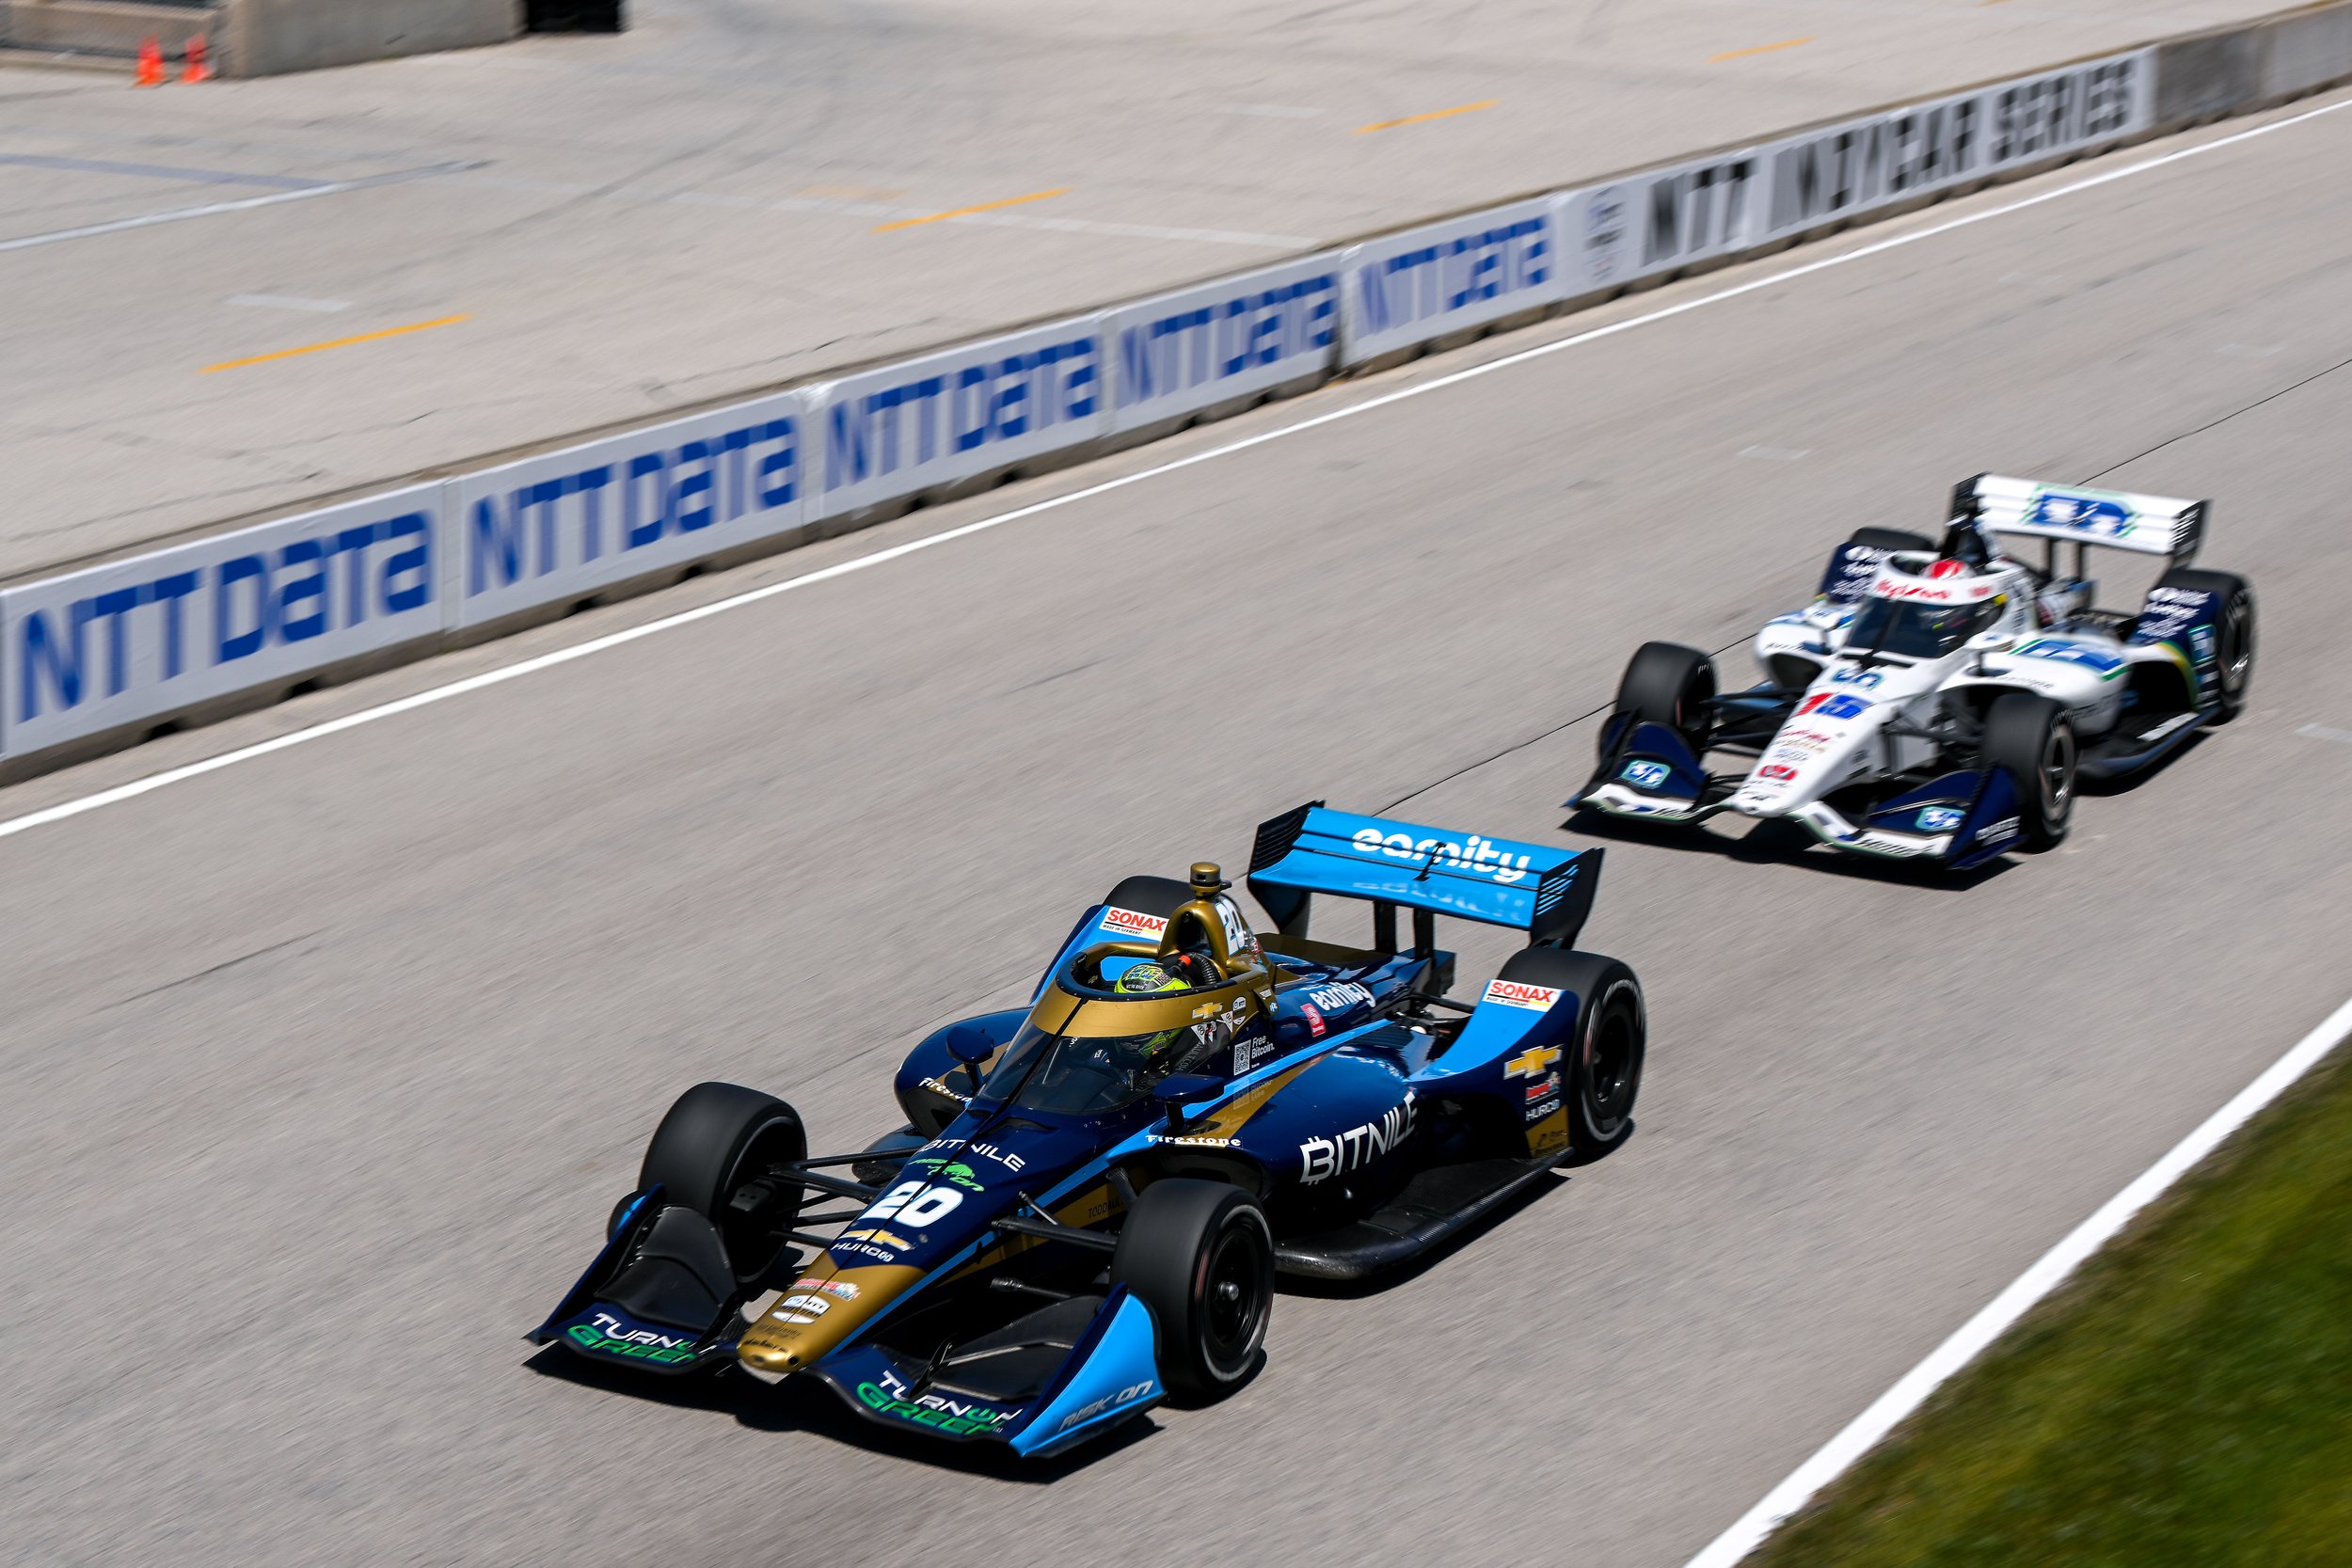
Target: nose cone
823, 1308
1821, 746
775, 1360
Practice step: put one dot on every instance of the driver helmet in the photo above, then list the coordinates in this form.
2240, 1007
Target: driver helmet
1152, 979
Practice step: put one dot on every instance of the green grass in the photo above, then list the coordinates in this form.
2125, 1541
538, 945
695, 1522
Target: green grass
2185, 1400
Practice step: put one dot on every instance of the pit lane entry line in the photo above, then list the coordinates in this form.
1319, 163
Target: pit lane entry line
119, 793
2051, 1270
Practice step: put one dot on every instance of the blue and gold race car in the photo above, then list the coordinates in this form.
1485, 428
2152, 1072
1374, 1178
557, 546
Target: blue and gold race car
1093, 1195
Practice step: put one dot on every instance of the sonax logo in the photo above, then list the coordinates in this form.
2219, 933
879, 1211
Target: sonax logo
1513, 993
1133, 920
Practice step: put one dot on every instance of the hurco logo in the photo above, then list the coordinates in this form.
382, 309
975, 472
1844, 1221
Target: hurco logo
1136, 921
1478, 854
1511, 994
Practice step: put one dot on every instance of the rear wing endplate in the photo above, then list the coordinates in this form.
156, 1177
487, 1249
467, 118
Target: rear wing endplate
2113, 519
1542, 890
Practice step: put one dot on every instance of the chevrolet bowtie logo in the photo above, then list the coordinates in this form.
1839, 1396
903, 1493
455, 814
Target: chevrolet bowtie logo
1534, 1062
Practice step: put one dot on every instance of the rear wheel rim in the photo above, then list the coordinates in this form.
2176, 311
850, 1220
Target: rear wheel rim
1612, 1059
1232, 1299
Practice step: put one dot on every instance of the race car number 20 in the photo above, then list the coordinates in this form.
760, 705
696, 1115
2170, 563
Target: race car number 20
913, 1204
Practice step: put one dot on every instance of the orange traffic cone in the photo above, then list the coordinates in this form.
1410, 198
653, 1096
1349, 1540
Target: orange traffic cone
198, 69
150, 64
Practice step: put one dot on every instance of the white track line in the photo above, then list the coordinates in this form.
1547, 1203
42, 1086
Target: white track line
2050, 1271
614, 640
180, 214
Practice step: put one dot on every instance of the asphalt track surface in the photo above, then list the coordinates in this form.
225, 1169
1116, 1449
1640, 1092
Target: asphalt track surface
321, 1070
720, 201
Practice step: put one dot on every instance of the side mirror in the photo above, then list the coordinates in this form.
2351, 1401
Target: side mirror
1990, 642
1180, 1089
971, 1048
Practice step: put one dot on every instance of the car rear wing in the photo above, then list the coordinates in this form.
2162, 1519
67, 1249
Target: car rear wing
2113, 519
1542, 890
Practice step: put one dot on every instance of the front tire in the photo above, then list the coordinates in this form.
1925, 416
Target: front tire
1664, 683
2234, 635
723, 1152
2030, 735
1200, 1255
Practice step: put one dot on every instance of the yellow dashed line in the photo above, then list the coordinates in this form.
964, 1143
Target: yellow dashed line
983, 206
336, 343
1434, 114
1759, 49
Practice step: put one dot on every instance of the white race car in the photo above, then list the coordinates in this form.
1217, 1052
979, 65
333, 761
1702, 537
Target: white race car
1941, 703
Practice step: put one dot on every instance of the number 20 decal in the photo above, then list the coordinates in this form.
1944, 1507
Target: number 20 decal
913, 1204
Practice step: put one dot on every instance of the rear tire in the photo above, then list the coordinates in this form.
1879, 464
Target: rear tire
1664, 683
720, 1151
1200, 1255
1602, 1066
2030, 735
2233, 637
1613, 1038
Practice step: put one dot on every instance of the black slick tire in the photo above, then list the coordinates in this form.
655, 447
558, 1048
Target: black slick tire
1612, 1038
2234, 635
2030, 735
1602, 1064
1200, 1255
1664, 683
722, 1151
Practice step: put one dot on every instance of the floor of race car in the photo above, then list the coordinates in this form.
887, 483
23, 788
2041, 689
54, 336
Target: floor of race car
1435, 1206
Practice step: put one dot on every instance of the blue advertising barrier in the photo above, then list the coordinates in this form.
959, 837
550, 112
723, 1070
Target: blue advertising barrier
114, 647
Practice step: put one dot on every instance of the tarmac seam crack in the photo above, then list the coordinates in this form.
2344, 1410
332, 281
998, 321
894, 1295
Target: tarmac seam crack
2215, 423
1518, 745
207, 973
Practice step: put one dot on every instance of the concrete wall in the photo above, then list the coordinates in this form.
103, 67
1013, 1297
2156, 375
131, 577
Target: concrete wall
267, 38
2233, 70
105, 26
263, 38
